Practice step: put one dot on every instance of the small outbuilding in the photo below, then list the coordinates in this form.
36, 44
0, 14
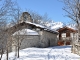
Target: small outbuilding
65, 35
43, 37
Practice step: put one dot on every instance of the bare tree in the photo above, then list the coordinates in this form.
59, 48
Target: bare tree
17, 39
7, 11
72, 7
14, 22
2, 41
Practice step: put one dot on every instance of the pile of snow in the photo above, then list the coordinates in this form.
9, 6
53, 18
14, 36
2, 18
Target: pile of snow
25, 32
51, 53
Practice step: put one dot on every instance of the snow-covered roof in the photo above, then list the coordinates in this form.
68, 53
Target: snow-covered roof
25, 32
37, 25
51, 30
34, 25
41, 26
45, 28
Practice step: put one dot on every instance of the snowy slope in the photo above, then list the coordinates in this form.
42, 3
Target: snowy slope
57, 25
51, 53
54, 25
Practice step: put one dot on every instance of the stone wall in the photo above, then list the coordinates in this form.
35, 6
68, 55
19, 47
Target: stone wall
30, 41
44, 39
48, 39
25, 41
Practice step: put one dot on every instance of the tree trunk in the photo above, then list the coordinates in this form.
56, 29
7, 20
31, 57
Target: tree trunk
79, 33
18, 46
7, 53
18, 49
1, 53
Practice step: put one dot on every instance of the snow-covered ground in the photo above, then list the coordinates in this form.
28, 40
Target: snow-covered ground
51, 53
